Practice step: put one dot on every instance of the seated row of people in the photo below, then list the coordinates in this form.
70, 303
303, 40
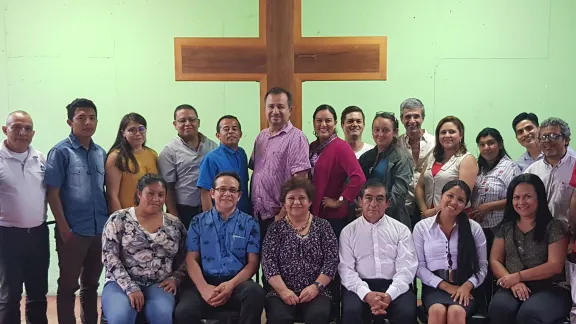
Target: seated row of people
150, 259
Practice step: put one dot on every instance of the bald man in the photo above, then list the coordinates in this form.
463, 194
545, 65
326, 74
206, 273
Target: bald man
24, 243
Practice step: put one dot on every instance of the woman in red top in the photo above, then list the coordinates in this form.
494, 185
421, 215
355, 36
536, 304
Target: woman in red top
335, 171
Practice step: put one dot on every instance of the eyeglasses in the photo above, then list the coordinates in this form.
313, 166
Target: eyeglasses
191, 120
224, 190
549, 137
379, 199
135, 130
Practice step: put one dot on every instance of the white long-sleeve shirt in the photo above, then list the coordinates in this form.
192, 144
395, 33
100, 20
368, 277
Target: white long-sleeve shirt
383, 250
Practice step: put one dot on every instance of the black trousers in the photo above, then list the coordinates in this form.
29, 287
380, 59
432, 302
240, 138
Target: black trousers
24, 259
489, 285
317, 311
546, 306
186, 213
248, 298
402, 310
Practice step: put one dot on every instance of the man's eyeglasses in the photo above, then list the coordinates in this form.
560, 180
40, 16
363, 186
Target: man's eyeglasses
135, 130
549, 137
224, 190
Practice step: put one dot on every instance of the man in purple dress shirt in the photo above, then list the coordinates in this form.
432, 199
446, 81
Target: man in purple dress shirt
280, 152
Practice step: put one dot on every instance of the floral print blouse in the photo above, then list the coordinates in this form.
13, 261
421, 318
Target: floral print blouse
133, 257
299, 260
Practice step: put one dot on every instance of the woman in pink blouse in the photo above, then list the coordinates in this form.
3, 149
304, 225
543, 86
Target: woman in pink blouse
452, 260
336, 173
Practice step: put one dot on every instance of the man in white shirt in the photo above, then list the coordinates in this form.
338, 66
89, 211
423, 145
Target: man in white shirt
555, 169
352, 123
24, 238
378, 263
418, 143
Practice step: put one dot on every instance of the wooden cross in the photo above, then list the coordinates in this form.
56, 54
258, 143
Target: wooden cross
280, 56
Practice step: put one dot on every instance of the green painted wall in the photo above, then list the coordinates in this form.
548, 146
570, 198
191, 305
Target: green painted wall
483, 61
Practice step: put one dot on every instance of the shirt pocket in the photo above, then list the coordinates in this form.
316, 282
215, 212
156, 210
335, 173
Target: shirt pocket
239, 246
560, 196
99, 177
78, 176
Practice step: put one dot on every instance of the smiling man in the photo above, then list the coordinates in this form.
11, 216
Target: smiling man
555, 169
179, 164
525, 127
352, 123
227, 157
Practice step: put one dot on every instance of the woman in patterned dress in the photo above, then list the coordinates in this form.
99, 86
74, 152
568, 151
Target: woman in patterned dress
299, 260
143, 253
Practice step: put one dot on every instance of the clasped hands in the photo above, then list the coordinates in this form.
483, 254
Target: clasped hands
514, 283
216, 296
306, 295
378, 302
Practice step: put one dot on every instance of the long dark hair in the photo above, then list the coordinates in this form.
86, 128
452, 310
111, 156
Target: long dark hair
126, 153
483, 165
468, 263
543, 214
438, 149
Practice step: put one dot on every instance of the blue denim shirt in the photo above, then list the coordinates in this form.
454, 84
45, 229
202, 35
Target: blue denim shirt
79, 174
223, 245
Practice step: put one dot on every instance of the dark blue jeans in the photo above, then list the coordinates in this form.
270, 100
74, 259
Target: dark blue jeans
24, 259
158, 305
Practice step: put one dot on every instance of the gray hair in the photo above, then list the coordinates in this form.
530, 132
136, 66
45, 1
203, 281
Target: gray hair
412, 103
16, 112
554, 121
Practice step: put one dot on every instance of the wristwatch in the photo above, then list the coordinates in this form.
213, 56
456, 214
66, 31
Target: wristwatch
341, 198
319, 285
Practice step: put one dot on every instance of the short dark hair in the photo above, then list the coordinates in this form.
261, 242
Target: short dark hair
80, 103
297, 183
349, 110
387, 115
524, 116
227, 174
373, 183
227, 117
185, 106
145, 181
277, 91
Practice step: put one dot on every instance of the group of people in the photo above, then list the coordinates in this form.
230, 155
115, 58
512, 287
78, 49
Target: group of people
182, 233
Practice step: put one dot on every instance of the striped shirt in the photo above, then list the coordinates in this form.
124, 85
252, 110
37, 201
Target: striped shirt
274, 160
492, 186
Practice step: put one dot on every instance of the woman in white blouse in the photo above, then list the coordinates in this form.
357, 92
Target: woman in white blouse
452, 260
450, 161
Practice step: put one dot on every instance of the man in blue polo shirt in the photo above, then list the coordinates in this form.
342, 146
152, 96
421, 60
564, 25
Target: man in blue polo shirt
75, 183
227, 157
223, 254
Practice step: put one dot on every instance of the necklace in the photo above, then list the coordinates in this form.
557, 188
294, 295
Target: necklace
299, 229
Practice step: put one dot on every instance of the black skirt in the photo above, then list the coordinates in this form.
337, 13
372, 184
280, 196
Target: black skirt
431, 296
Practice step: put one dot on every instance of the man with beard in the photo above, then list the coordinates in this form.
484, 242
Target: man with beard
352, 123
227, 157
525, 127
418, 143
179, 164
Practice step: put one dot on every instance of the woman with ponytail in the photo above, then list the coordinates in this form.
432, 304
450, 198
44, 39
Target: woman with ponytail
451, 251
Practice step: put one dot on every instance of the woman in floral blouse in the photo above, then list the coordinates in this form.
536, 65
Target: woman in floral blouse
299, 259
143, 251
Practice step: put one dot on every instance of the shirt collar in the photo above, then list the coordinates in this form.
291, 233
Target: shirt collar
527, 157
227, 149
201, 139
285, 129
434, 223
75, 142
5, 152
381, 221
424, 137
562, 160
216, 214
